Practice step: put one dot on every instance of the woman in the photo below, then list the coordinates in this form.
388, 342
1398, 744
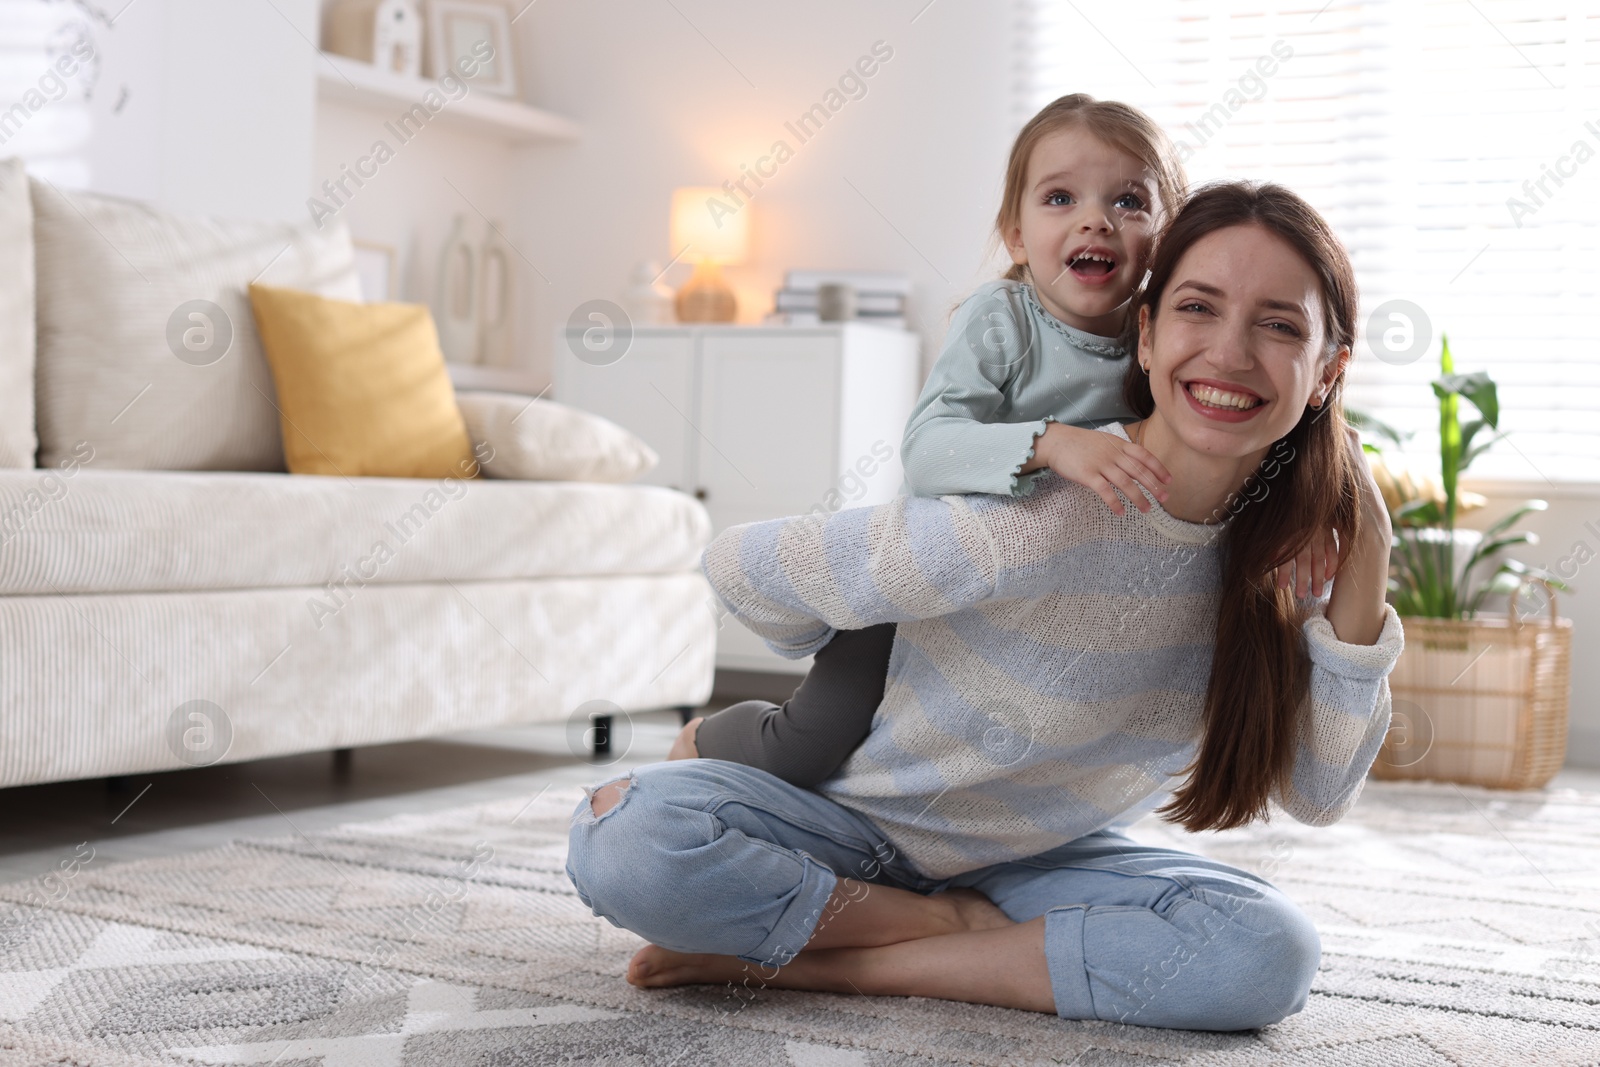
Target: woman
1054, 666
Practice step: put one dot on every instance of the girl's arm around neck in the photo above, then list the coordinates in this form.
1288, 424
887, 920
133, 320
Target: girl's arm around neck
954, 441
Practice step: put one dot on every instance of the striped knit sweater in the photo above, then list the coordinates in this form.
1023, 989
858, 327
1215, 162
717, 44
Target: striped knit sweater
1050, 666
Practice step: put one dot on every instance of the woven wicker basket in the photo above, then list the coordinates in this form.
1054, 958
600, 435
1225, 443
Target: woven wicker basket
1480, 701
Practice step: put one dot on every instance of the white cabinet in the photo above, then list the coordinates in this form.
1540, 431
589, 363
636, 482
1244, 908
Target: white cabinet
757, 422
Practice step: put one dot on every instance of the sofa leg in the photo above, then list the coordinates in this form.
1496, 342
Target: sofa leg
601, 727
343, 760
685, 714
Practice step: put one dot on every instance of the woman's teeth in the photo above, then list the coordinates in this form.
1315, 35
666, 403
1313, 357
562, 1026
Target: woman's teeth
1217, 398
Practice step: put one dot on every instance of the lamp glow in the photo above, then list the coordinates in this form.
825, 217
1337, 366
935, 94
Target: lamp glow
715, 234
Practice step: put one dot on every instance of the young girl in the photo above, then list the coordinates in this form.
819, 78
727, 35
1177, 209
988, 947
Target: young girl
1031, 364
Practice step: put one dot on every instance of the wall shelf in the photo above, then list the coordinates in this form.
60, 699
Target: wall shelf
350, 81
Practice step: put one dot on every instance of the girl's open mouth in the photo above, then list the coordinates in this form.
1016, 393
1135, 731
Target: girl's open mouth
1092, 266
1222, 404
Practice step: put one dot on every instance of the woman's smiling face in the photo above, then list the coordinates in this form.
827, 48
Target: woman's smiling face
1238, 345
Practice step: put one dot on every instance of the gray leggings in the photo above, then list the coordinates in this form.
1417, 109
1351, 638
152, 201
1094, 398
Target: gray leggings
807, 737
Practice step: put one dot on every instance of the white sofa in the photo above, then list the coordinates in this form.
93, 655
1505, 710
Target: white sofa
153, 618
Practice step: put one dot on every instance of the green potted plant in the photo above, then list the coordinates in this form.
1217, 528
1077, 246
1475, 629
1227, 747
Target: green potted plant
1478, 697
1425, 579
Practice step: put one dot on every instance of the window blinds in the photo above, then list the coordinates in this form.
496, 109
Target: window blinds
1453, 144
47, 66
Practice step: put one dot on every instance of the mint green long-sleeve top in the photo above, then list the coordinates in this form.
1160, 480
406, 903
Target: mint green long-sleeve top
1008, 368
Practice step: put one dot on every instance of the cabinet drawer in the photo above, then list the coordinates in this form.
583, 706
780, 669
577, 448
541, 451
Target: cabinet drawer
650, 392
769, 432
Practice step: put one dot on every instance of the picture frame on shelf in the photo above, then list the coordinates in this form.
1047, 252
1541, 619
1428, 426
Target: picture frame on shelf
457, 30
377, 265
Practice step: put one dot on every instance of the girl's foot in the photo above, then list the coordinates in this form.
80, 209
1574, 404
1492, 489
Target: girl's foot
654, 967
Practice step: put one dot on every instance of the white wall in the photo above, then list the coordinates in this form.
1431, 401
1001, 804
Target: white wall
663, 106
207, 107
410, 205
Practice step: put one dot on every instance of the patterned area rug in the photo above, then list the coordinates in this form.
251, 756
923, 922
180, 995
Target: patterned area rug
1459, 927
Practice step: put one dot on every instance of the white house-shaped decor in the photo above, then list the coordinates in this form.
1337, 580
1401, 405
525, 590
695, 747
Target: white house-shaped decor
385, 33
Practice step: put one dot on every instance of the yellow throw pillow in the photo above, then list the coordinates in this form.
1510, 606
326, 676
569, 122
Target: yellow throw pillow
362, 388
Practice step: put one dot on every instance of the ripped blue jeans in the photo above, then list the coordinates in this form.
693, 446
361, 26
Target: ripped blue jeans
704, 855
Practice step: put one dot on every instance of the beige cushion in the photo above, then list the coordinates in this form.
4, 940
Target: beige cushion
135, 307
95, 531
541, 440
362, 387
17, 440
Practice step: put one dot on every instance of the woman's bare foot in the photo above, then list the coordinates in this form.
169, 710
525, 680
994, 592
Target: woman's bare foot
654, 967
974, 911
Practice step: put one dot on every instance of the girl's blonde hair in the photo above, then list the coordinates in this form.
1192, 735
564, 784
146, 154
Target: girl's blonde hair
1118, 125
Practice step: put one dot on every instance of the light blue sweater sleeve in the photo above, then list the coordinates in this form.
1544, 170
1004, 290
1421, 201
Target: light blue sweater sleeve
1344, 725
793, 582
958, 439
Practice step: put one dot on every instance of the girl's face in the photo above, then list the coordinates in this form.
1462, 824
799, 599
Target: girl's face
1088, 218
1239, 345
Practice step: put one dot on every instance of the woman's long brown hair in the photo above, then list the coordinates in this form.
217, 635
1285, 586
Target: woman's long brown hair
1260, 671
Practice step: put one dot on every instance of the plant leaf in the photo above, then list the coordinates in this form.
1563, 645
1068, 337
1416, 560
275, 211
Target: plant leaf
1468, 432
1479, 390
1514, 516
1419, 512
1489, 546
1449, 433
1502, 582
1480, 448
1518, 567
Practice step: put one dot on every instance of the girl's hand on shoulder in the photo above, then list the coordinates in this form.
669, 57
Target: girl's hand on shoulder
1102, 462
1308, 573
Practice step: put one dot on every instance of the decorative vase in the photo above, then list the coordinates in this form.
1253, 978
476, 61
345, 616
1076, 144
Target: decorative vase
456, 296
497, 282
648, 301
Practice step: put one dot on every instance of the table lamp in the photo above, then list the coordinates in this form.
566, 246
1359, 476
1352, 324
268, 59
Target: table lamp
716, 233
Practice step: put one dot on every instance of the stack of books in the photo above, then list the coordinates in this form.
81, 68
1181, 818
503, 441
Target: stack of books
880, 296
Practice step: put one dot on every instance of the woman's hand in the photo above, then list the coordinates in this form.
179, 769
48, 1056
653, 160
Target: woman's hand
683, 746
1356, 609
1101, 461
